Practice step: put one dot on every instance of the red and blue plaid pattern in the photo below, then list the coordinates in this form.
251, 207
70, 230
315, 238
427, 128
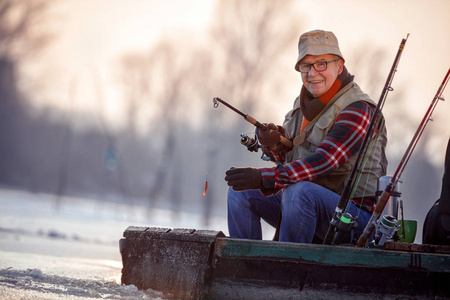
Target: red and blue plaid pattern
343, 141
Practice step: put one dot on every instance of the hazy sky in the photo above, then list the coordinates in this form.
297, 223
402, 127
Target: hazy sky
95, 32
91, 35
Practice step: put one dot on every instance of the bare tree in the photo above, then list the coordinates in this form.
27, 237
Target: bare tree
19, 38
157, 85
19, 27
251, 37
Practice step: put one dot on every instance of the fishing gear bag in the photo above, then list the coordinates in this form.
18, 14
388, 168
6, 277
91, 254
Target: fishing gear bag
436, 228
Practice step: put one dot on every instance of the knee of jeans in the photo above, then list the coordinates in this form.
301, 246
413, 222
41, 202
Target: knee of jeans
299, 191
298, 196
235, 199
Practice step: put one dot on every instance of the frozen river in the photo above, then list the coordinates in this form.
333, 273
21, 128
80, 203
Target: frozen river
72, 252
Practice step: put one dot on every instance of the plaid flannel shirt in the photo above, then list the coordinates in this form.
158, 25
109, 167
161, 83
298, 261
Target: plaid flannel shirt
343, 141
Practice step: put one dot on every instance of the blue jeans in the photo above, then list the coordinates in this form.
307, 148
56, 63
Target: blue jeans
307, 209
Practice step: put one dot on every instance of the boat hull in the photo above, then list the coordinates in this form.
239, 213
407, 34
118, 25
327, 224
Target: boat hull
192, 264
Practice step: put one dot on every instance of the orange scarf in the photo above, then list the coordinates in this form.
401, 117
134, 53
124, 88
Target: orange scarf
312, 106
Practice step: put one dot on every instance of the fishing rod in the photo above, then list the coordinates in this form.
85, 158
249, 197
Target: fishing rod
396, 177
374, 123
251, 120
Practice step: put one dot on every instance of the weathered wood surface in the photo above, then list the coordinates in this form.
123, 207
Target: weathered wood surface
304, 271
190, 264
177, 262
426, 248
331, 255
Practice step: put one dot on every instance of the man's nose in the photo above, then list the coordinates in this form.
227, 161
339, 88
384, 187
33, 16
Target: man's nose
312, 71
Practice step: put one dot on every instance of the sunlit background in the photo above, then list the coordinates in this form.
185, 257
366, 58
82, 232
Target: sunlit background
111, 100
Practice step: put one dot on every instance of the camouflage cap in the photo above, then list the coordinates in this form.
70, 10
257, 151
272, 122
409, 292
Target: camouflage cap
317, 42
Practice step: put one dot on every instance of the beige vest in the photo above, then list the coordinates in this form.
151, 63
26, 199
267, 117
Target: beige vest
307, 143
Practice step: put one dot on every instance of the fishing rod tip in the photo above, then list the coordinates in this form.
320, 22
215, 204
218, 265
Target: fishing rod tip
216, 102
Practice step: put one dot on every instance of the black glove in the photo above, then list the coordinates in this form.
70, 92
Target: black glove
241, 179
269, 138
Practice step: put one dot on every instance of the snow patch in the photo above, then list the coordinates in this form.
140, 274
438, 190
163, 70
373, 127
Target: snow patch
33, 283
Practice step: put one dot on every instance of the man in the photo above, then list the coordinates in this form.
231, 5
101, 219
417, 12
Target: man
327, 126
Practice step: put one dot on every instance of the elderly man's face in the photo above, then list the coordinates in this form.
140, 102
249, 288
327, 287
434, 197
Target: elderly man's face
318, 83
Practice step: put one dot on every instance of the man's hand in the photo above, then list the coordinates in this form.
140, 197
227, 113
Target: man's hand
269, 138
241, 179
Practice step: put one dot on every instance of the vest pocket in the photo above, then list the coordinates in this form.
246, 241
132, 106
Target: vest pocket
336, 180
320, 129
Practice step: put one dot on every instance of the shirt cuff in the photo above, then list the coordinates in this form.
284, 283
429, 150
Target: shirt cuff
268, 181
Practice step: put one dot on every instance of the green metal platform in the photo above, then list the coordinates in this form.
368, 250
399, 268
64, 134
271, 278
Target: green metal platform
191, 264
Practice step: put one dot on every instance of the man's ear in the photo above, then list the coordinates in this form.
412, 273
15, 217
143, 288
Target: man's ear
341, 66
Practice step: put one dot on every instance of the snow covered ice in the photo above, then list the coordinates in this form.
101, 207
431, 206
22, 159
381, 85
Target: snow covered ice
33, 284
73, 252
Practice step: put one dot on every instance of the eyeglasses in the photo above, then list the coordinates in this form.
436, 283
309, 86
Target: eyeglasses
318, 66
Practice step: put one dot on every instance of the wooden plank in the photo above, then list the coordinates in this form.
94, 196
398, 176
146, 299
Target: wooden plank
331, 255
176, 261
418, 247
305, 271
265, 278
179, 234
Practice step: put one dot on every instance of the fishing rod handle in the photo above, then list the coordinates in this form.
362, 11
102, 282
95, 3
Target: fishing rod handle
253, 121
364, 238
286, 142
384, 198
332, 227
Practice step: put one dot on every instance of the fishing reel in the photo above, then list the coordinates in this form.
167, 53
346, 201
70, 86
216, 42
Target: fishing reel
395, 202
345, 229
253, 145
385, 229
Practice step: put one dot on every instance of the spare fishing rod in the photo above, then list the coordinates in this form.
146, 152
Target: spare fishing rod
251, 120
374, 123
396, 177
